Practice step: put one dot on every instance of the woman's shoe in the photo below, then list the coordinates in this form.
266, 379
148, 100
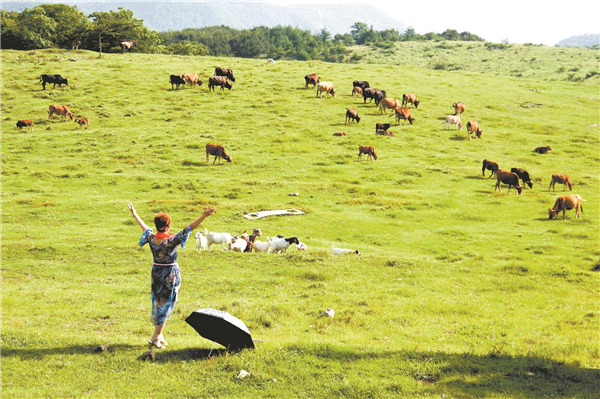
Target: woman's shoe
155, 343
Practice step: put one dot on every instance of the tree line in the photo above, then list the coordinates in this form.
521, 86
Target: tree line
59, 25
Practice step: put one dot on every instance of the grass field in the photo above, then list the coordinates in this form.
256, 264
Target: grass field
460, 291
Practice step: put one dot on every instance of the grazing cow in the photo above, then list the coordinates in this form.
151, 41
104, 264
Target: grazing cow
510, 178
339, 134
312, 80
176, 81
369, 93
56, 79
228, 73
217, 151
453, 120
473, 127
524, 176
382, 126
127, 46
75, 45
459, 108
25, 123
410, 98
388, 133
62, 110
357, 90
325, 87
565, 203
83, 122
352, 115
390, 103
378, 96
360, 83
561, 179
192, 79
220, 81
491, 166
403, 113
367, 150
543, 150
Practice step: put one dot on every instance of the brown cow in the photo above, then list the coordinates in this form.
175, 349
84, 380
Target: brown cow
473, 127
368, 150
352, 115
25, 123
62, 110
339, 134
391, 103
403, 113
565, 203
217, 151
388, 133
192, 79
561, 179
75, 45
218, 81
510, 178
312, 79
489, 165
127, 46
459, 108
543, 150
225, 72
82, 122
410, 98
357, 90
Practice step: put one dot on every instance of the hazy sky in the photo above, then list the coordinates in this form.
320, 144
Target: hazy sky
519, 21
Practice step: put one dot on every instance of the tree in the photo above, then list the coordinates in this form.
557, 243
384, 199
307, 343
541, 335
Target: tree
325, 35
409, 34
71, 24
115, 27
359, 31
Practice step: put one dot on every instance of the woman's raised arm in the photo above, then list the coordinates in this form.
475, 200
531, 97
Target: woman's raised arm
139, 220
207, 213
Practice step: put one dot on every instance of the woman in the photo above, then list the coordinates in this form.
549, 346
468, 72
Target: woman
166, 277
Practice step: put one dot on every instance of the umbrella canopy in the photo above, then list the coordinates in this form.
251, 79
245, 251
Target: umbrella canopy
221, 327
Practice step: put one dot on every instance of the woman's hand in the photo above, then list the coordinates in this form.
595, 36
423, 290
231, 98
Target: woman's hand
209, 211
131, 208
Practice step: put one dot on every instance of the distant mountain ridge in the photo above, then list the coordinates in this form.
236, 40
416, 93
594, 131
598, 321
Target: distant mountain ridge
178, 15
587, 40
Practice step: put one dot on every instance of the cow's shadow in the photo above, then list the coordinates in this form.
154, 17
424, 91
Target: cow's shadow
458, 138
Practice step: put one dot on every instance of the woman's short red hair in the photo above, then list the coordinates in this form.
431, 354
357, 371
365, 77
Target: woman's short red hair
162, 221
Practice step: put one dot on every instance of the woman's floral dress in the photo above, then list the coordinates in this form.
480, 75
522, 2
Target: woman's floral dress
166, 278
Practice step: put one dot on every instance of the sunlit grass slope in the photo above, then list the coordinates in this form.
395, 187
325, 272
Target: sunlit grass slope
460, 290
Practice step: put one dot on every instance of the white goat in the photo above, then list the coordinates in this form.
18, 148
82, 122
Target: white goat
217, 238
453, 120
260, 246
280, 244
341, 251
200, 241
301, 247
238, 244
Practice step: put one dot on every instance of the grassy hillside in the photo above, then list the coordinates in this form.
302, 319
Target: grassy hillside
460, 291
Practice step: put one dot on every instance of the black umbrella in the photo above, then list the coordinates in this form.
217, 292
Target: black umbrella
221, 327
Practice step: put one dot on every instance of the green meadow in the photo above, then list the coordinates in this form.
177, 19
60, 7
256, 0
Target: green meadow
459, 291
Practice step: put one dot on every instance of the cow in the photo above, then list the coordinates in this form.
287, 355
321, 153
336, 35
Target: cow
382, 126
326, 87
228, 73
360, 83
62, 110
473, 127
388, 133
367, 150
565, 203
25, 123
561, 179
82, 122
176, 81
127, 46
352, 115
543, 150
312, 80
453, 120
459, 108
75, 45
369, 93
357, 90
192, 79
510, 178
220, 81
56, 79
391, 103
403, 113
491, 166
217, 151
339, 134
523, 175
410, 98
378, 96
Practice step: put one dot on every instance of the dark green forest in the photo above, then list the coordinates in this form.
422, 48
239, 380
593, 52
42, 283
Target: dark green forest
59, 25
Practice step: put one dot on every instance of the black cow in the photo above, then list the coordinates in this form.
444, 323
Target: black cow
369, 92
379, 95
523, 175
360, 83
228, 73
312, 80
382, 126
56, 79
177, 81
